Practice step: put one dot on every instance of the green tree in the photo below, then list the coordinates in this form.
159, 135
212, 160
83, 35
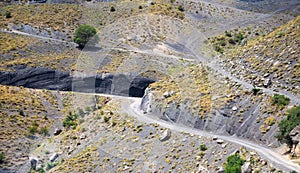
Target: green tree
287, 125
234, 164
84, 35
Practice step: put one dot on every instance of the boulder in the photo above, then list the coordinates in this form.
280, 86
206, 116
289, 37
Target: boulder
82, 136
165, 135
57, 132
220, 141
224, 145
246, 167
295, 134
33, 162
39, 166
267, 82
168, 94
53, 157
221, 170
234, 108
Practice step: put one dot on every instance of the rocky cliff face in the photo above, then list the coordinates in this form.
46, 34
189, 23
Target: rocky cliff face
43, 78
243, 116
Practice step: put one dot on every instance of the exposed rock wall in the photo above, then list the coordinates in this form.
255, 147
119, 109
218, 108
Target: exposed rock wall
43, 78
240, 117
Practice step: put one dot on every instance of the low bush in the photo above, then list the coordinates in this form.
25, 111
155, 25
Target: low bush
70, 121
280, 100
112, 9
1, 157
51, 165
234, 164
255, 91
203, 147
180, 8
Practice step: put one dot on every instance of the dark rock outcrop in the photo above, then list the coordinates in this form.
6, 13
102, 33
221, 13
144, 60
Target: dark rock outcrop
44, 78
39, 78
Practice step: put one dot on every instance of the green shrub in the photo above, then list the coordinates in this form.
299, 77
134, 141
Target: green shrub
32, 129
219, 49
180, 8
51, 165
41, 170
88, 109
106, 119
223, 43
21, 112
231, 41
238, 37
80, 112
280, 100
44, 131
203, 147
1, 157
70, 121
255, 91
8, 14
228, 34
112, 9
287, 124
234, 164
86, 34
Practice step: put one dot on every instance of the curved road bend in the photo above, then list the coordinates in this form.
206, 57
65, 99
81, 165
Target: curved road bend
132, 108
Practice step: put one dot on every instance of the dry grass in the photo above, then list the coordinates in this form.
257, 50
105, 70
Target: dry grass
9, 42
197, 88
100, 15
50, 60
21, 110
57, 16
277, 53
22, 50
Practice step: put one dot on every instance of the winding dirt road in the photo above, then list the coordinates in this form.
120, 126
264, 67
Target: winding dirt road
132, 107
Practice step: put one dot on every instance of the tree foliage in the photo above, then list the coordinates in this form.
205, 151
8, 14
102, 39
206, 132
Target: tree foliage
287, 125
280, 100
234, 164
86, 34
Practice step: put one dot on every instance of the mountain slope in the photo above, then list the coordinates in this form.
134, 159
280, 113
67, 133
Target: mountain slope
271, 61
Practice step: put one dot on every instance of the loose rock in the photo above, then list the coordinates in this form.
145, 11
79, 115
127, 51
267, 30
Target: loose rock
33, 162
246, 168
234, 108
220, 141
57, 132
165, 136
53, 157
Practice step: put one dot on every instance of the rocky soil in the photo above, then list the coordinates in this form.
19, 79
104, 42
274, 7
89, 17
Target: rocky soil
271, 61
156, 49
